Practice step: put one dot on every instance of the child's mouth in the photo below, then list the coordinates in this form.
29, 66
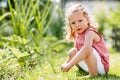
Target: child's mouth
79, 29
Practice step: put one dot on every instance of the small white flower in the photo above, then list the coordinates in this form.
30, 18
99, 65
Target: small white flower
32, 51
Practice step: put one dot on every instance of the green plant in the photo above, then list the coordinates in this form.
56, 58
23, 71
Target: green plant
101, 19
114, 16
29, 15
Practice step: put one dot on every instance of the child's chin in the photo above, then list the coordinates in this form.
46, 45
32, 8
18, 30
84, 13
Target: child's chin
79, 32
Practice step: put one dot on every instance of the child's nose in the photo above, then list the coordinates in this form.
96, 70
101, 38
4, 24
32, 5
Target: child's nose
77, 24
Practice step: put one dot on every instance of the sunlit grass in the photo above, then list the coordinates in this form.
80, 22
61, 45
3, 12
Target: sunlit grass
31, 20
49, 69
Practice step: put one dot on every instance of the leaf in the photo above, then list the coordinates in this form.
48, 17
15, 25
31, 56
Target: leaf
18, 54
4, 15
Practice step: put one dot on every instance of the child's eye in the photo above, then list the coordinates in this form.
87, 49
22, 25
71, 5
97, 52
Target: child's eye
73, 22
80, 20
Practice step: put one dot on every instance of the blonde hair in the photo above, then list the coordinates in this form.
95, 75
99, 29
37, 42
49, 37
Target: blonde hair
69, 9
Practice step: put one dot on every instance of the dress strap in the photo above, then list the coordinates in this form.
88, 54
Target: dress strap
93, 29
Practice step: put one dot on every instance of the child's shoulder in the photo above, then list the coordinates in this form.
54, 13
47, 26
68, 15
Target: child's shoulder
90, 29
93, 30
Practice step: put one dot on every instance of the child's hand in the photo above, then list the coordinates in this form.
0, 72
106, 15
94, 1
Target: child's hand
65, 67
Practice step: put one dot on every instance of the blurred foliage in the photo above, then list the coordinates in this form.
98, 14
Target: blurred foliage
31, 33
114, 18
34, 19
114, 22
109, 21
101, 18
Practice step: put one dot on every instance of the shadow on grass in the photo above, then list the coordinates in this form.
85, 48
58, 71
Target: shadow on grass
112, 76
84, 75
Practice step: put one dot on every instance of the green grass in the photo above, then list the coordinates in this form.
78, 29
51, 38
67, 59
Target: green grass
49, 69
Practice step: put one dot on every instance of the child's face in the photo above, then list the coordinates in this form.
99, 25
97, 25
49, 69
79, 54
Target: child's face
78, 22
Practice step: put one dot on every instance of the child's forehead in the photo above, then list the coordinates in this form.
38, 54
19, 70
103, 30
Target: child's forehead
76, 13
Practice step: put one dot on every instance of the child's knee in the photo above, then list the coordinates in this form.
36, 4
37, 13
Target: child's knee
72, 52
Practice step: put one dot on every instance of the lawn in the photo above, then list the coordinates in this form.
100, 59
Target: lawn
30, 26
49, 69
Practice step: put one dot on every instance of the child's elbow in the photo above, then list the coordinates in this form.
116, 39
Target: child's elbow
88, 50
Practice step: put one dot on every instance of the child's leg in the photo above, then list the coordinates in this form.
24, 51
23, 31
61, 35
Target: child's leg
91, 62
71, 54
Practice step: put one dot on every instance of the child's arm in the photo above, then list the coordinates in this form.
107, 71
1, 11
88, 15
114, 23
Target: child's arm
84, 52
71, 51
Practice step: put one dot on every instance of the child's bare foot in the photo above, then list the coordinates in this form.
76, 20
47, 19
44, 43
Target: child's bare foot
92, 75
84, 77
88, 76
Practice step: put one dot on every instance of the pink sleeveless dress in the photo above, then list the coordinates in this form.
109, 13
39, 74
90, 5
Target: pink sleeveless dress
99, 46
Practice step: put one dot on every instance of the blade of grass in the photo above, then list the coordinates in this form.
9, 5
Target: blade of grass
47, 10
34, 38
12, 14
4, 15
47, 26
